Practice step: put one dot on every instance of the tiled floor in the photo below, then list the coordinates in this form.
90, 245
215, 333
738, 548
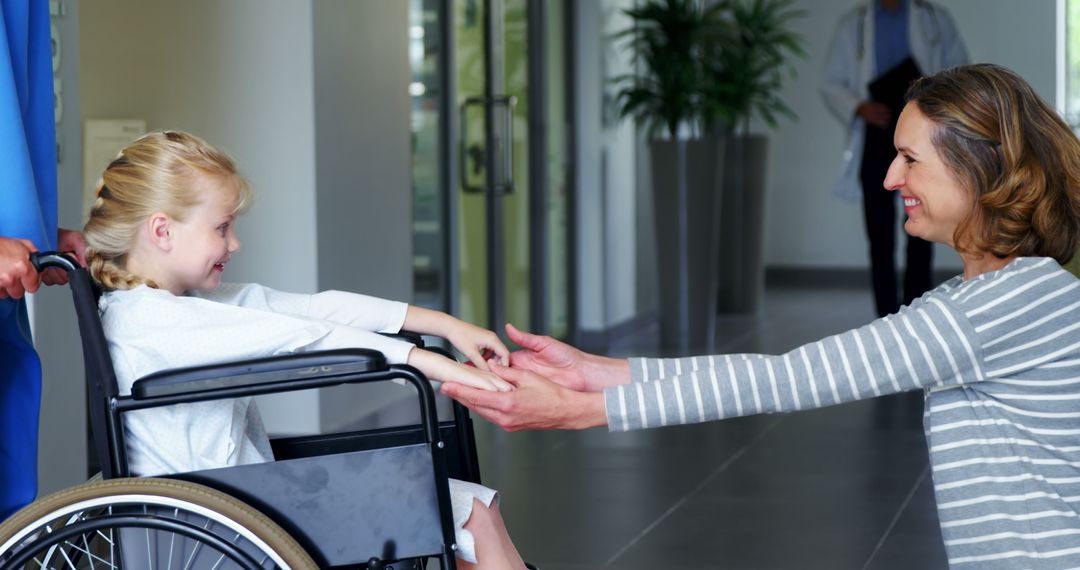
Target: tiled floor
836, 488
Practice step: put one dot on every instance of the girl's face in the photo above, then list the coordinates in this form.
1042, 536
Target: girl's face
203, 243
934, 201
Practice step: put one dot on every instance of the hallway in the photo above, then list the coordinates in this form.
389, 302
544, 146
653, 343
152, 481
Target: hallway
839, 488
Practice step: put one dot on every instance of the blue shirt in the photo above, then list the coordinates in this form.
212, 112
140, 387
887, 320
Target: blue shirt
891, 42
27, 130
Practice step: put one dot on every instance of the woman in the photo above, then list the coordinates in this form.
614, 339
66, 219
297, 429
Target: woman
983, 165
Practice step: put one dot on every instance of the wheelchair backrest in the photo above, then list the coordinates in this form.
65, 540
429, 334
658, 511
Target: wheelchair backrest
100, 377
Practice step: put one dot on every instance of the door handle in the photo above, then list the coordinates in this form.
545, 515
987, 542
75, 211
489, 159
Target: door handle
472, 155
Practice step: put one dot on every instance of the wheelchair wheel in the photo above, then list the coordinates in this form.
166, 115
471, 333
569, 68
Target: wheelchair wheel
145, 523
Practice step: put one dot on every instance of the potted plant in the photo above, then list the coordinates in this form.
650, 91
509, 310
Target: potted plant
669, 40
748, 71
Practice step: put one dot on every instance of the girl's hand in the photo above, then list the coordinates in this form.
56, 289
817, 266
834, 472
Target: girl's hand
477, 344
438, 367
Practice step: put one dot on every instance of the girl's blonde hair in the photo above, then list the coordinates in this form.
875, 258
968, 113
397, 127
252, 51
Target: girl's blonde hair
153, 174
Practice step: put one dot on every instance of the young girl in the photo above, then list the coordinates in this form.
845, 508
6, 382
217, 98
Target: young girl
158, 239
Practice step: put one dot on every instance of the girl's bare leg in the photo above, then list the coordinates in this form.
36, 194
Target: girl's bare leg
494, 549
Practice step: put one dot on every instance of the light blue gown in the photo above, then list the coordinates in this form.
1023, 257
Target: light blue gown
28, 211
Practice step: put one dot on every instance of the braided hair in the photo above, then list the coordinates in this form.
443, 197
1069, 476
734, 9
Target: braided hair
152, 174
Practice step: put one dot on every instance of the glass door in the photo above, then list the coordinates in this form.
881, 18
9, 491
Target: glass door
500, 209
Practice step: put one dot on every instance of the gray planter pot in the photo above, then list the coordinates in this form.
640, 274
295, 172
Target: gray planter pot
686, 179
742, 271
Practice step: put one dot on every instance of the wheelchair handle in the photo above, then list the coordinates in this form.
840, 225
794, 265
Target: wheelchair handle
43, 260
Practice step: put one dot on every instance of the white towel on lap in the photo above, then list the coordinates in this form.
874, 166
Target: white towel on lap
462, 494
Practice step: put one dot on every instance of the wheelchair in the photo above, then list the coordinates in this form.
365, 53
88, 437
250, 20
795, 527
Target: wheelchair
376, 499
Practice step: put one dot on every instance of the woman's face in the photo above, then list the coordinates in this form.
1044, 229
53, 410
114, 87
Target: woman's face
934, 201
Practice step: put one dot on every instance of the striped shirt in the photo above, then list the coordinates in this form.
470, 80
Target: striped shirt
999, 358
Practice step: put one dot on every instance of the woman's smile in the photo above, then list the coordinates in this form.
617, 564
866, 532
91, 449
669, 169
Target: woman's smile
910, 204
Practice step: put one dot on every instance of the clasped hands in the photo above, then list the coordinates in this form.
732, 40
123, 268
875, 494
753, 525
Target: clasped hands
555, 386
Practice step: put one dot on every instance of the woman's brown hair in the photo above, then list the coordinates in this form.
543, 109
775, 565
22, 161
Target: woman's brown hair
1014, 153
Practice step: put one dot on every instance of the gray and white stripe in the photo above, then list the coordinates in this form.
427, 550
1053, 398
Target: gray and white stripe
1000, 358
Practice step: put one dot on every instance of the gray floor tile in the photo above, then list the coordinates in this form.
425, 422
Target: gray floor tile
830, 488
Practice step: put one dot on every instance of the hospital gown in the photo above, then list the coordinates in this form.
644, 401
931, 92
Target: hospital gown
150, 330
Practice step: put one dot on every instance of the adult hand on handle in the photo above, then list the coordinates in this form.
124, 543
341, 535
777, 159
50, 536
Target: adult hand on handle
17, 275
535, 402
67, 241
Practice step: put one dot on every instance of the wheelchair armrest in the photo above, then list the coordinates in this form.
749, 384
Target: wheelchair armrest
407, 336
416, 339
258, 372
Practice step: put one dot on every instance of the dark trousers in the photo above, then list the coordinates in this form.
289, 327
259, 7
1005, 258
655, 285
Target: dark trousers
879, 214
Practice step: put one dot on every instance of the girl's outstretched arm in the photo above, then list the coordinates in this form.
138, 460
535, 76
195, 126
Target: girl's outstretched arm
468, 338
438, 367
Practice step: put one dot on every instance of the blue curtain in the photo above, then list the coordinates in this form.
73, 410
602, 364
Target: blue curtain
28, 211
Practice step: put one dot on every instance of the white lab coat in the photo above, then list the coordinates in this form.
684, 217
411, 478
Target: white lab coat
149, 330
935, 45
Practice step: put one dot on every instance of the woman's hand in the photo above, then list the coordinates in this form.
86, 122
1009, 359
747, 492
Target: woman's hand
477, 344
438, 367
565, 365
535, 403
557, 361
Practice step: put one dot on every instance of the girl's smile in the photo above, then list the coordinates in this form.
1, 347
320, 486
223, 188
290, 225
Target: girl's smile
196, 249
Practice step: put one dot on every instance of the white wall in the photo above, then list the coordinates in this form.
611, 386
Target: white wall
364, 202
237, 74
605, 163
62, 459
805, 225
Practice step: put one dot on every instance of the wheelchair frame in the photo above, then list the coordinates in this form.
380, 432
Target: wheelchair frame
402, 467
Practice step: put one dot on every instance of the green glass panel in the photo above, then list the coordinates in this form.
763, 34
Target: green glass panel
469, 67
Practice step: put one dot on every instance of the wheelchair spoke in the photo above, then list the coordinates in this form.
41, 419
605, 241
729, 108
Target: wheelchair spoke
172, 539
89, 555
149, 560
112, 543
98, 527
63, 552
191, 558
218, 563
